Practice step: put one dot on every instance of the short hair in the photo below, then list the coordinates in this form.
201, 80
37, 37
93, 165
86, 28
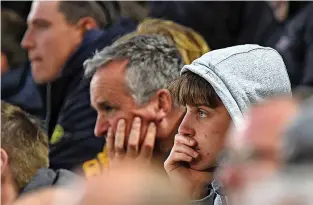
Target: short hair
24, 142
76, 10
153, 62
12, 30
191, 89
189, 43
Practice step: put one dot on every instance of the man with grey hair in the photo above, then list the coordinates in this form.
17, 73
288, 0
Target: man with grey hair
128, 91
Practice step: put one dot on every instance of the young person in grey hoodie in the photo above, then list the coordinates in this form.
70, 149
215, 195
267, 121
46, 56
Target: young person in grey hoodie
217, 89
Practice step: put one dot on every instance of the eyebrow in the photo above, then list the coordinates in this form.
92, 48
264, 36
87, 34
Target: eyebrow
104, 104
40, 22
205, 105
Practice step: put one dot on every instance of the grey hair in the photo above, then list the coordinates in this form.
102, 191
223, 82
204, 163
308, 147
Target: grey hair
153, 62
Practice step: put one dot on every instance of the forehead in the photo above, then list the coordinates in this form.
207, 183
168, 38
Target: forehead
109, 81
47, 10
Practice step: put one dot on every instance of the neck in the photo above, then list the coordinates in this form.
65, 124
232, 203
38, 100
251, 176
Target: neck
9, 193
201, 189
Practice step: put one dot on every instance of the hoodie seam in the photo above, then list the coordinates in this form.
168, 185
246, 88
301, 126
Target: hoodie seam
243, 52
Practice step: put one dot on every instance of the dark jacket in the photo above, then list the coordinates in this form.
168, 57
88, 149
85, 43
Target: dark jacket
221, 23
18, 88
47, 178
64, 105
296, 47
69, 118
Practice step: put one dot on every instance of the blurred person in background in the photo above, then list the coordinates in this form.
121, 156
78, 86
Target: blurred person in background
190, 45
24, 156
254, 150
129, 185
288, 187
216, 90
221, 23
272, 154
296, 47
298, 137
17, 85
60, 36
12, 28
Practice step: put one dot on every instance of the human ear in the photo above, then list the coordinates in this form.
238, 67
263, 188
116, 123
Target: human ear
4, 160
87, 23
164, 103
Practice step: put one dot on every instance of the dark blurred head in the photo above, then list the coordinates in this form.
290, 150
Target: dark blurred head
12, 29
55, 30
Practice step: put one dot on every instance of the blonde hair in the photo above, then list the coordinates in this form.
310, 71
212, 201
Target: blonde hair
24, 142
191, 45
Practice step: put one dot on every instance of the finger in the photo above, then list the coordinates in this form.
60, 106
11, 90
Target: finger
120, 138
134, 136
181, 148
148, 144
110, 143
171, 161
185, 140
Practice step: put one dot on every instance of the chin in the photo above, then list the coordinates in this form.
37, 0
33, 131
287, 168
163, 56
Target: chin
199, 165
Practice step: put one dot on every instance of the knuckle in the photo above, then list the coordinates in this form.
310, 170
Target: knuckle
119, 149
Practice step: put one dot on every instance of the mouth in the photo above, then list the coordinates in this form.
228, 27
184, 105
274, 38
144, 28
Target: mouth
35, 59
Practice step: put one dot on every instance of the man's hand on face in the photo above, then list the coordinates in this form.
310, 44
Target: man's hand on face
177, 167
134, 152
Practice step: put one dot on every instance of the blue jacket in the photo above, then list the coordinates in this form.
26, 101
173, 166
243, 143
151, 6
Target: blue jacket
18, 88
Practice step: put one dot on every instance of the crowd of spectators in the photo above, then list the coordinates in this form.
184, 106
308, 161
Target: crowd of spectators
156, 102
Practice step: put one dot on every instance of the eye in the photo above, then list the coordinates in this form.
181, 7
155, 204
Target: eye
106, 108
202, 113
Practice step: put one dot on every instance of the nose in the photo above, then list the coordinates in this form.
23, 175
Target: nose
101, 127
186, 128
27, 42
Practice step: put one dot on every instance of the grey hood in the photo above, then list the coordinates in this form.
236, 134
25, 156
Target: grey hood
242, 75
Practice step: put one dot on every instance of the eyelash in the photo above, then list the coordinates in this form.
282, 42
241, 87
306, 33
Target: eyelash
200, 111
107, 108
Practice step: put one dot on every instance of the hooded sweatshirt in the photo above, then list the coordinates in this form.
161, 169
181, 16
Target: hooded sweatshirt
241, 76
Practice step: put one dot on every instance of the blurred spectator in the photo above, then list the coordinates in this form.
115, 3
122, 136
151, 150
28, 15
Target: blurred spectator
128, 85
254, 149
126, 186
298, 140
20, 7
190, 44
222, 24
24, 156
60, 37
12, 28
290, 187
295, 46
217, 89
